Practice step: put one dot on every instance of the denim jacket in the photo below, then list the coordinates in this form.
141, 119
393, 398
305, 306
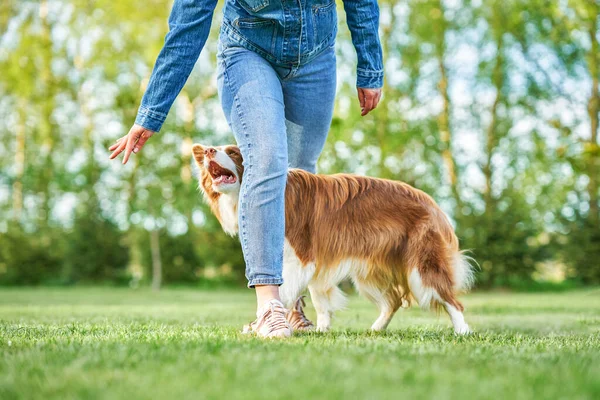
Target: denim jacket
285, 32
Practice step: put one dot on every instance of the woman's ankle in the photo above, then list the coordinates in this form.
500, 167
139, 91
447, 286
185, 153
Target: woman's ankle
266, 293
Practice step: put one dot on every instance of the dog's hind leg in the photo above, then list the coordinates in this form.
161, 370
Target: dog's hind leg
458, 319
385, 316
326, 301
388, 306
428, 296
388, 301
434, 280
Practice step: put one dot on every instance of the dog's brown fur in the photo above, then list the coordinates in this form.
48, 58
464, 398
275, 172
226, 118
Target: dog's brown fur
390, 226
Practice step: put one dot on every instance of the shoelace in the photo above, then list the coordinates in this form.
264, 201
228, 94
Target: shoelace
297, 318
274, 318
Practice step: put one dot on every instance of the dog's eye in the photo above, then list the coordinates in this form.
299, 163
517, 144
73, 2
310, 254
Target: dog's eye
230, 152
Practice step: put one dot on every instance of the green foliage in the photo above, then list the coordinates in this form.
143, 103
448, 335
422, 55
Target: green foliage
96, 251
187, 260
503, 242
582, 250
490, 107
30, 259
179, 257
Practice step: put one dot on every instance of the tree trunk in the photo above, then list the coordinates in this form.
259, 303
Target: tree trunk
47, 107
156, 261
498, 81
186, 147
17, 193
381, 117
444, 117
593, 110
135, 267
90, 169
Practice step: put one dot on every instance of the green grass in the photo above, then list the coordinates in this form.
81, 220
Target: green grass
185, 344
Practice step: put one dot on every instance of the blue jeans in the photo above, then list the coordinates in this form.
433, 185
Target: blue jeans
280, 118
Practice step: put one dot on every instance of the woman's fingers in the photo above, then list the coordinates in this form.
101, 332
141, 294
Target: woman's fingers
140, 143
116, 144
361, 98
376, 99
118, 150
132, 142
368, 98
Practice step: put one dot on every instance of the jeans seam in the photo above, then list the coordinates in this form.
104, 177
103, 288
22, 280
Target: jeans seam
264, 281
234, 35
143, 110
247, 171
247, 44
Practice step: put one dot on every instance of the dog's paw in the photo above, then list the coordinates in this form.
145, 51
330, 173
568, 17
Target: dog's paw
463, 330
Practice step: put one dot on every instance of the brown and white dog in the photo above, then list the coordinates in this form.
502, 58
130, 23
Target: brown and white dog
390, 239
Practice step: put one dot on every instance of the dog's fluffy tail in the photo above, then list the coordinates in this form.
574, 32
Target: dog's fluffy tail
464, 271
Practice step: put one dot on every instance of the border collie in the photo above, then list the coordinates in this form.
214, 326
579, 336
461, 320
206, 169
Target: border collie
392, 240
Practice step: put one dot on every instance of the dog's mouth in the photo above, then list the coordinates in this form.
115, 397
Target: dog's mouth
220, 175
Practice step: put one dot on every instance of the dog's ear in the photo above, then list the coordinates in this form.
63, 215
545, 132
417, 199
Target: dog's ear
198, 151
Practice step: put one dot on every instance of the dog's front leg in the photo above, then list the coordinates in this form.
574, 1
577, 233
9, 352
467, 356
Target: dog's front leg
296, 276
326, 301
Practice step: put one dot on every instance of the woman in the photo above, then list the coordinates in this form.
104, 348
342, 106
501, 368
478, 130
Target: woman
276, 82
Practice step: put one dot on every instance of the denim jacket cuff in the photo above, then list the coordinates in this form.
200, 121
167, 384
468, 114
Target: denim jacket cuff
369, 79
149, 119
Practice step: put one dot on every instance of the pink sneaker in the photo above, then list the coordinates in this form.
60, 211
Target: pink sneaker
270, 321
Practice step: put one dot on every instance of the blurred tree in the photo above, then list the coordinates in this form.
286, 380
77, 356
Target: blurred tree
588, 13
425, 57
96, 252
570, 31
491, 107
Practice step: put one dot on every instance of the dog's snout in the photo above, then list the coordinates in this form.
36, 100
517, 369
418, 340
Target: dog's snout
210, 152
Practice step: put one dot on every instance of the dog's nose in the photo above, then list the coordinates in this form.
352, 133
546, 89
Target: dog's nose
210, 152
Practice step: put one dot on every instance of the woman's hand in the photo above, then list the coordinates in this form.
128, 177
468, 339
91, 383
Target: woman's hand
133, 141
368, 98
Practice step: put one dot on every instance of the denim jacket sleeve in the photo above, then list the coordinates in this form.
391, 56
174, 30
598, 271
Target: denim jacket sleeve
363, 21
189, 26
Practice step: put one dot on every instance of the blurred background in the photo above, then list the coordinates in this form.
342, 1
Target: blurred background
492, 107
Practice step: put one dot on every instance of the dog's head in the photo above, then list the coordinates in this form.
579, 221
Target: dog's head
221, 168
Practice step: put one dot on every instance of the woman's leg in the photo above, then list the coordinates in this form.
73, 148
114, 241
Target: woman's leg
252, 100
309, 95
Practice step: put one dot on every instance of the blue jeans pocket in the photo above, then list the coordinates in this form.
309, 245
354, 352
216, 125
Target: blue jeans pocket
253, 6
324, 21
259, 31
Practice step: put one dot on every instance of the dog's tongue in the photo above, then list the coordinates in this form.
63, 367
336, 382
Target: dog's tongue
215, 169
219, 174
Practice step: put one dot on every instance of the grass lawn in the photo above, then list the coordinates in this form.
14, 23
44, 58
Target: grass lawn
185, 344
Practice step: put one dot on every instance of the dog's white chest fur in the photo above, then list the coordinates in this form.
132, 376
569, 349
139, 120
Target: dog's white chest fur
229, 216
